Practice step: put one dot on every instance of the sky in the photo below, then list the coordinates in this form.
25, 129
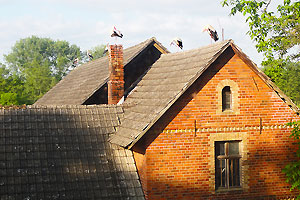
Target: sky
88, 23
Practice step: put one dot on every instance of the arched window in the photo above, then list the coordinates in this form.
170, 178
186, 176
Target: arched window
226, 98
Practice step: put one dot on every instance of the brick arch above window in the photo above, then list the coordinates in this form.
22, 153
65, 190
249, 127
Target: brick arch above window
234, 97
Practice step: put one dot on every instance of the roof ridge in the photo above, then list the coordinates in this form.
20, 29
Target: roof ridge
145, 44
128, 48
229, 41
74, 106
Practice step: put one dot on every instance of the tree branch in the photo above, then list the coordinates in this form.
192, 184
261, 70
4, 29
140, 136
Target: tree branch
267, 5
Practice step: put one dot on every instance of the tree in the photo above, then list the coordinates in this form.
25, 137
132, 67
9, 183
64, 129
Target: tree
36, 64
10, 87
98, 51
276, 34
287, 78
59, 55
38, 81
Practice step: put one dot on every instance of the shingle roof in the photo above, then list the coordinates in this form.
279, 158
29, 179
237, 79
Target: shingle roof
86, 79
165, 82
167, 79
63, 153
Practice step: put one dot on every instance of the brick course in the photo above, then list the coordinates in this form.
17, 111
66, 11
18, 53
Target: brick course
179, 163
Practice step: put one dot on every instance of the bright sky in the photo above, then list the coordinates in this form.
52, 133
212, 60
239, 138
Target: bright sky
88, 23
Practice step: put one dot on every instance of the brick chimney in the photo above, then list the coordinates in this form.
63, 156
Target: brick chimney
116, 74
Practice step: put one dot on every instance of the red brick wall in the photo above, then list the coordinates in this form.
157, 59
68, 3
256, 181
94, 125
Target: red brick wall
116, 74
179, 163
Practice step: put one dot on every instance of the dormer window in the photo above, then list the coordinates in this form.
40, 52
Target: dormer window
226, 98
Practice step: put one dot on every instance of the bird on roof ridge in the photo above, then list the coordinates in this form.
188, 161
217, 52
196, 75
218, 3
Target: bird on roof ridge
75, 62
90, 56
116, 33
107, 49
212, 32
177, 42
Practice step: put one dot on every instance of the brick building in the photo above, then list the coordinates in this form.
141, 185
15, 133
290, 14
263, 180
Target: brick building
198, 124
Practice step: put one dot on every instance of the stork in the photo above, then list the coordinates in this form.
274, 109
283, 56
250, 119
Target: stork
177, 42
106, 49
212, 32
75, 62
116, 33
90, 56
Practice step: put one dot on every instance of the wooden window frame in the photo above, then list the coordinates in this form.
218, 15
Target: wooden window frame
228, 168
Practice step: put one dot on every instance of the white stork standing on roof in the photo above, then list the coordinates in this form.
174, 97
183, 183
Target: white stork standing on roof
107, 49
90, 56
75, 62
116, 33
177, 42
212, 32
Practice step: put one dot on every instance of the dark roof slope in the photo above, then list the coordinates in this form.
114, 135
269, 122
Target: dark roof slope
165, 82
167, 79
63, 153
86, 79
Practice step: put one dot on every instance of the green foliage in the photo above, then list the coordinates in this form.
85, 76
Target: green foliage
9, 99
287, 78
292, 170
58, 55
97, 51
38, 81
33, 67
10, 87
276, 34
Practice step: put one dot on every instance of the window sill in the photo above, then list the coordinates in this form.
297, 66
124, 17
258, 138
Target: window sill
223, 190
227, 111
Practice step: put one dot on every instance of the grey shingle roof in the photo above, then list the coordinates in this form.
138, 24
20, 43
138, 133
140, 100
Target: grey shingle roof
86, 79
167, 79
63, 153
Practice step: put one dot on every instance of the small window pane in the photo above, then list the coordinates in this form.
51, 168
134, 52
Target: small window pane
223, 173
220, 173
220, 148
226, 98
234, 172
234, 148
